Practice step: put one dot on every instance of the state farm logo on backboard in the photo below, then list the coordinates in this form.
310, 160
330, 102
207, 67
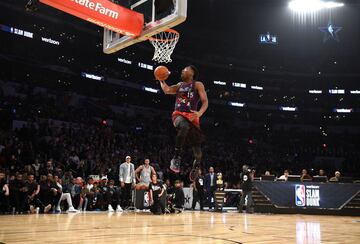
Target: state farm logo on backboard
104, 13
97, 7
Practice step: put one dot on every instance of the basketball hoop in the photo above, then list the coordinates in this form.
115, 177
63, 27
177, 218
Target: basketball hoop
164, 44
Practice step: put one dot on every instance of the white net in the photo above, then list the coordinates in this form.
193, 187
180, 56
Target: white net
164, 44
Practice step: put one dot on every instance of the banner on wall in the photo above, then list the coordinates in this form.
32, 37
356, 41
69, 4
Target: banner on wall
308, 194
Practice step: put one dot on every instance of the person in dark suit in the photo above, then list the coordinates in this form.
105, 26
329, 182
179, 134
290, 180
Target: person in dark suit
198, 190
210, 187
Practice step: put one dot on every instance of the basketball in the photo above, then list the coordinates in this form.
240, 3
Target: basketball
161, 73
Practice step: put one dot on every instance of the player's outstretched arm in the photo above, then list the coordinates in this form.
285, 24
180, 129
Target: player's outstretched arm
169, 89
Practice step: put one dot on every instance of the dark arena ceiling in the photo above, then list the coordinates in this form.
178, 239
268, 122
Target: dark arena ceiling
220, 37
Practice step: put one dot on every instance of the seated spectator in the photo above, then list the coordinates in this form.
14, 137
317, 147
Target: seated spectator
322, 173
101, 203
33, 189
284, 176
87, 192
67, 180
112, 197
49, 168
90, 183
179, 196
36, 166
96, 202
18, 194
336, 177
4, 194
76, 193
168, 186
305, 176
156, 192
49, 191
267, 172
64, 196
55, 191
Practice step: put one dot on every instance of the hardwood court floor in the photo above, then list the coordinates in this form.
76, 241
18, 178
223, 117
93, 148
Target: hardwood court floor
188, 227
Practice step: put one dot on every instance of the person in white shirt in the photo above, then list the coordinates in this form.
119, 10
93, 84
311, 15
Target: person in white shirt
284, 176
127, 180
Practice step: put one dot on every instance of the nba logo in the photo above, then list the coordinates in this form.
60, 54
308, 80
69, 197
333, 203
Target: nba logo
300, 195
146, 199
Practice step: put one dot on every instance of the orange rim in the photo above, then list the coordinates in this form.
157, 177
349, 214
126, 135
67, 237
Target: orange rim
151, 38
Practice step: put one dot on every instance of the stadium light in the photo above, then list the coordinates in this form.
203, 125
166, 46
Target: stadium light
289, 109
237, 104
336, 91
308, 6
149, 89
343, 110
241, 85
315, 91
257, 88
221, 83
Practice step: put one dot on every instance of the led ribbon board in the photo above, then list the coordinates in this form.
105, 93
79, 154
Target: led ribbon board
103, 13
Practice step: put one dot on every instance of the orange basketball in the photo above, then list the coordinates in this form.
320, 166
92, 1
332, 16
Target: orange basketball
161, 73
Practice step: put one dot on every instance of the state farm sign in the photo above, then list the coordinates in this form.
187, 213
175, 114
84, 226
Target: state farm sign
103, 13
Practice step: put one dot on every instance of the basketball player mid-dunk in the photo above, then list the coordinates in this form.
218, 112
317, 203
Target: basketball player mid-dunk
186, 117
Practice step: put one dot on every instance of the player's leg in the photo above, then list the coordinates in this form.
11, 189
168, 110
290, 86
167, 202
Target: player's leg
197, 152
182, 126
242, 201
196, 138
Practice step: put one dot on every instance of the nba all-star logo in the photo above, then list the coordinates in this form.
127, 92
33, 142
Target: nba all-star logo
330, 32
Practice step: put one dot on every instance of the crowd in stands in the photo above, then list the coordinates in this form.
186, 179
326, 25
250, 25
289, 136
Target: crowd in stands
47, 165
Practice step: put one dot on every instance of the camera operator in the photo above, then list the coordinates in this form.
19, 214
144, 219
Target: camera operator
156, 192
179, 196
246, 178
198, 191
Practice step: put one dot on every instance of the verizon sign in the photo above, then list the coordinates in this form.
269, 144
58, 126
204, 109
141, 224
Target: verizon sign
103, 13
51, 41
